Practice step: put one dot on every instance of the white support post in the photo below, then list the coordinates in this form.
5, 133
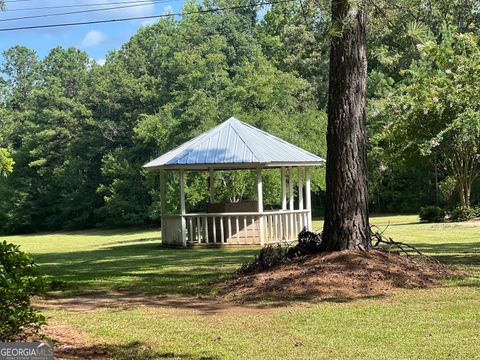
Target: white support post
214, 223
308, 198
291, 203
245, 228
300, 189
290, 185
284, 190
163, 207
182, 208
205, 224
260, 205
212, 185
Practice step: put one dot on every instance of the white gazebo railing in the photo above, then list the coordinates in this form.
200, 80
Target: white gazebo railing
242, 228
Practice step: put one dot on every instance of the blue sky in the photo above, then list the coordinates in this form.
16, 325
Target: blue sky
95, 39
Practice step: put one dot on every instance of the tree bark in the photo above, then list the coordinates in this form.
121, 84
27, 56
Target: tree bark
346, 218
463, 165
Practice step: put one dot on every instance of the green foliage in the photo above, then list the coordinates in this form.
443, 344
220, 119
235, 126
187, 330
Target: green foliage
53, 141
464, 214
6, 162
21, 67
410, 52
19, 281
447, 188
432, 214
405, 186
425, 121
79, 132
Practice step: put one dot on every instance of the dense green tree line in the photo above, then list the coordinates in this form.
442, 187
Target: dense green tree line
76, 133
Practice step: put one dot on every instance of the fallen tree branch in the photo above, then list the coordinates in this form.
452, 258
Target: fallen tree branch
379, 239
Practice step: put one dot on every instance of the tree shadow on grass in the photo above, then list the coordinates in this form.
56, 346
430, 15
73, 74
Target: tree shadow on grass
97, 232
141, 267
132, 351
458, 254
462, 255
145, 268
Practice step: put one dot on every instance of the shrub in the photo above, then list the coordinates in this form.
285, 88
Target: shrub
268, 257
464, 214
432, 214
19, 281
309, 243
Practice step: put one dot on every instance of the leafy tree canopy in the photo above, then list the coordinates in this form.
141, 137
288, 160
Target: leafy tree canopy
436, 110
78, 132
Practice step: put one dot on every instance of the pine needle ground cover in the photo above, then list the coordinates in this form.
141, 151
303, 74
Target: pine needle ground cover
120, 295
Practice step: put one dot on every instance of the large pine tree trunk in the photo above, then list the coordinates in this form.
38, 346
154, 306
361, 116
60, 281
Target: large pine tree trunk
346, 218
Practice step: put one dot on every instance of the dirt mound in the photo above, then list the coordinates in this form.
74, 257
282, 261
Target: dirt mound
345, 274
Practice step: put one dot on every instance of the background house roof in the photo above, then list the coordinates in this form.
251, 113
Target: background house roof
234, 144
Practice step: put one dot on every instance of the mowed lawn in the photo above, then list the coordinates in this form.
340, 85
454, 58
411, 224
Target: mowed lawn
439, 323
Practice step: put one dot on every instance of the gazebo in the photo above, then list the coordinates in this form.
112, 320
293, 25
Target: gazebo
235, 145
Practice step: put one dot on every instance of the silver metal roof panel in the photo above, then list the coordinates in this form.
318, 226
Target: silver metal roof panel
234, 144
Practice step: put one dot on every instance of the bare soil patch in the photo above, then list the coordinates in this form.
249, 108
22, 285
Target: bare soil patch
71, 343
339, 275
179, 305
475, 221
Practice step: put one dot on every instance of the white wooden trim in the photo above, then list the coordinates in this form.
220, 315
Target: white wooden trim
300, 189
190, 229
270, 229
290, 188
214, 222
251, 213
260, 205
182, 207
284, 189
245, 233
277, 226
237, 228
222, 230
234, 166
287, 226
163, 207
253, 228
291, 202
308, 198
199, 231
281, 227
207, 237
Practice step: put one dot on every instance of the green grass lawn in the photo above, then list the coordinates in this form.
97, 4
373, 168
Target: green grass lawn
439, 323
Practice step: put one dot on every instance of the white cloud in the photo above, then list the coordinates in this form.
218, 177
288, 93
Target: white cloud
113, 10
93, 37
167, 10
100, 62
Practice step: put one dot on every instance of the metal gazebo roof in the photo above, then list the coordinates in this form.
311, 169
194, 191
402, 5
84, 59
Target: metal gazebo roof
234, 145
